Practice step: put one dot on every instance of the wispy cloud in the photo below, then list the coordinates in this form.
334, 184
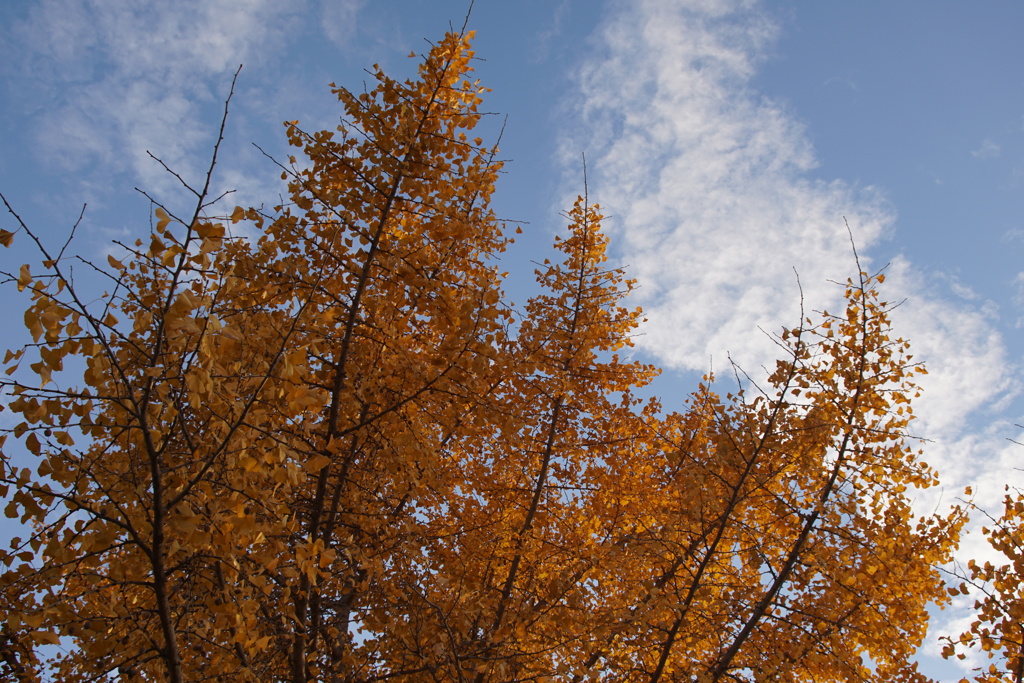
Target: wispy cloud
714, 203
842, 80
338, 18
550, 32
112, 79
987, 150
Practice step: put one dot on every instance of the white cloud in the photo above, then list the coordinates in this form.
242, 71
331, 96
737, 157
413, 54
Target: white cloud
987, 150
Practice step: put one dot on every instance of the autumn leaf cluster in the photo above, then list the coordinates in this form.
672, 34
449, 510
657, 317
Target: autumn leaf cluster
334, 451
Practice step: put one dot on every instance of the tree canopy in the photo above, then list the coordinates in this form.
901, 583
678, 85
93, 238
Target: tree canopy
327, 448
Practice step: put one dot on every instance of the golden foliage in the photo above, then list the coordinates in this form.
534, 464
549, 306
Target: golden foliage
998, 625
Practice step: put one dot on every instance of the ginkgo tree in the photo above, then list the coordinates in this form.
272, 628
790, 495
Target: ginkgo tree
997, 628
332, 450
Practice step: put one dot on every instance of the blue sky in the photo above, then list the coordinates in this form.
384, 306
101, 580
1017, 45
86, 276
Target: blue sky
726, 139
